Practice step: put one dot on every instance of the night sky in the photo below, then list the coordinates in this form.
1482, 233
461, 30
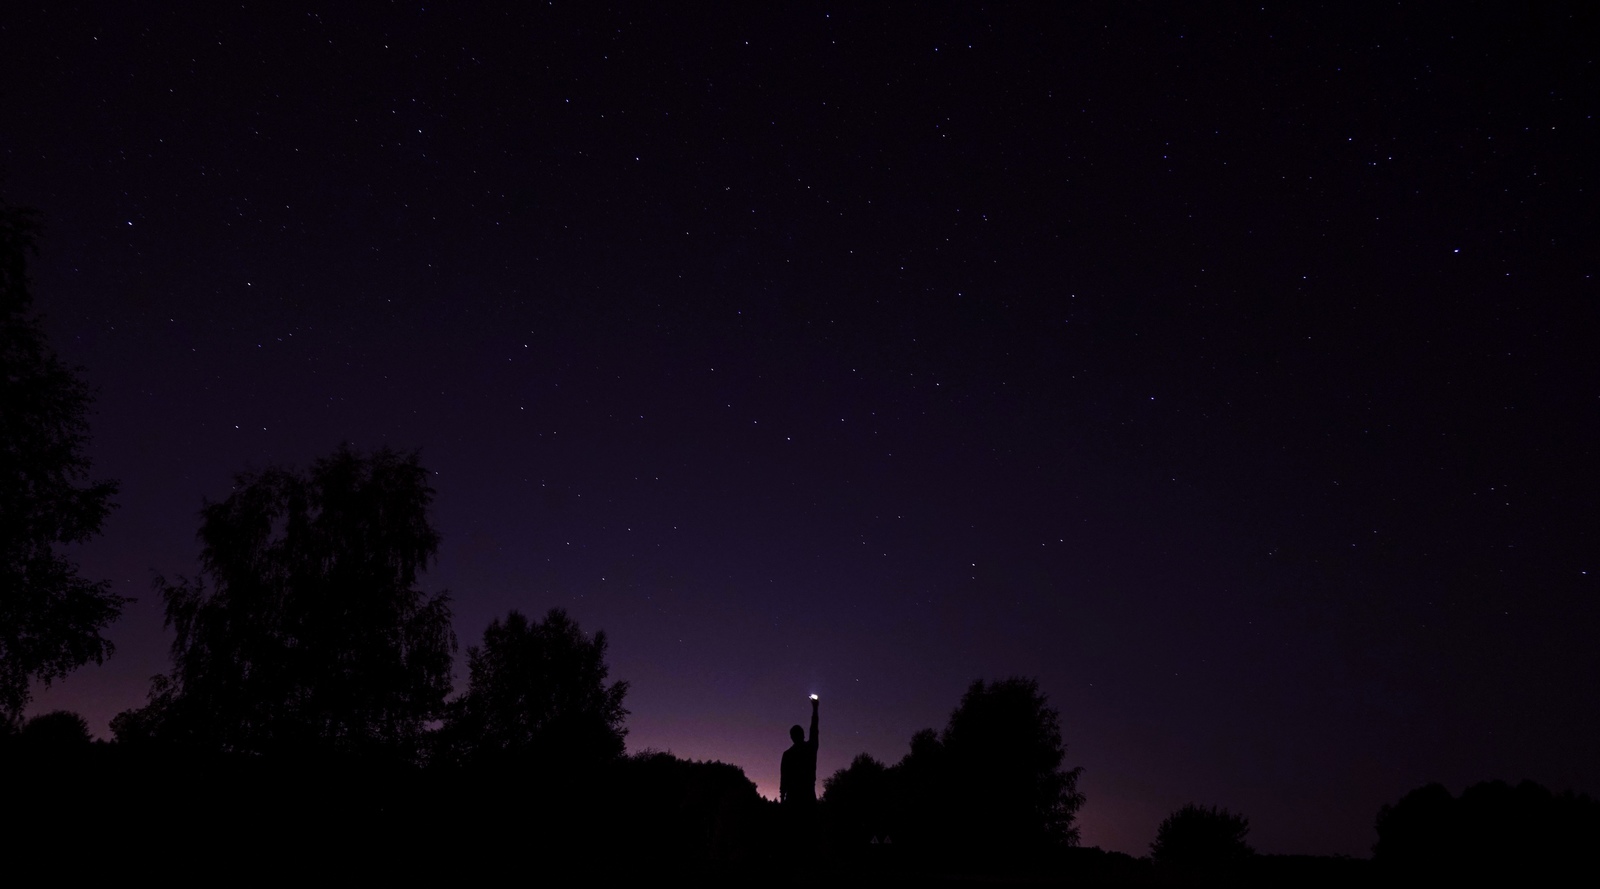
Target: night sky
1231, 372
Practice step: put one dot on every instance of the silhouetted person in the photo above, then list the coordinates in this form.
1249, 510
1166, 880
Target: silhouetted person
797, 784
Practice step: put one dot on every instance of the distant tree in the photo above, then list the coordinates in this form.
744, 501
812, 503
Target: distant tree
1199, 840
856, 801
1493, 831
671, 809
51, 619
538, 689
993, 781
920, 812
155, 721
1005, 752
1422, 828
311, 634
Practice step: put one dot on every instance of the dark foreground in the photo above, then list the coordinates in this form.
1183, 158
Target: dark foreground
112, 812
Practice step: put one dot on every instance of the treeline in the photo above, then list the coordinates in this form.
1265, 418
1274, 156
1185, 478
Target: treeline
310, 708
310, 717
100, 804
1492, 831
133, 808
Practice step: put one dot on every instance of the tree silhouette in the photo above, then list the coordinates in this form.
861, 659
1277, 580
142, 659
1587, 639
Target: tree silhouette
1422, 828
50, 618
919, 809
1004, 751
856, 801
311, 634
1200, 840
537, 689
992, 783
674, 810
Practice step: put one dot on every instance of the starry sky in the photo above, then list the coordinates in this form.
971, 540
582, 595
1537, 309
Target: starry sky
1232, 371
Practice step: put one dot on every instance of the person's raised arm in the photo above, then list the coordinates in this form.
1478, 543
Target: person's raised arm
814, 703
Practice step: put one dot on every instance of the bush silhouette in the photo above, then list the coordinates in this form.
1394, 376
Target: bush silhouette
1201, 840
57, 730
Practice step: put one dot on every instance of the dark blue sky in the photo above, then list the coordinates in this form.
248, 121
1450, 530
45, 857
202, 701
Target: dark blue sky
1233, 375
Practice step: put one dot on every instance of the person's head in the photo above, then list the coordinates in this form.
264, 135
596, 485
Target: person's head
797, 733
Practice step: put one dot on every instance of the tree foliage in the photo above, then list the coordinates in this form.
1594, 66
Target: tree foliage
306, 629
51, 619
538, 689
1201, 839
